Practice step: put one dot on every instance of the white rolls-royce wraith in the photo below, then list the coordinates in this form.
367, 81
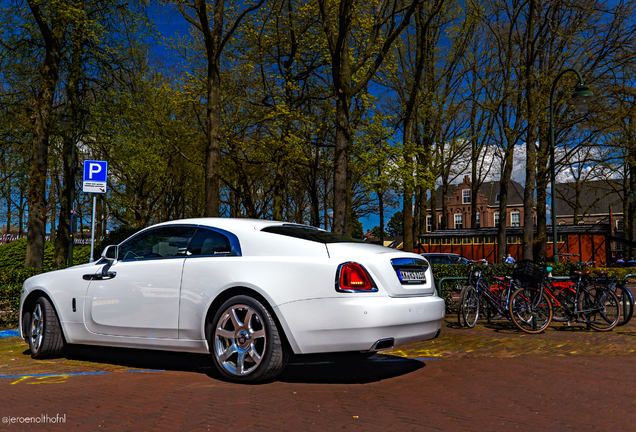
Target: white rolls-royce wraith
247, 291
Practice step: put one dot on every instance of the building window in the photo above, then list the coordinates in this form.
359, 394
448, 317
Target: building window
477, 221
446, 241
467, 240
478, 240
496, 220
497, 198
439, 222
561, 238
459, 221
466, 196
514, 219
620, 226
457, 240
429, 223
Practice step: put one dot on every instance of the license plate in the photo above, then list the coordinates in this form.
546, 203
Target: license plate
412, 276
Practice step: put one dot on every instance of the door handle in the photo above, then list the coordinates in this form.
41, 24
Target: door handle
99, 276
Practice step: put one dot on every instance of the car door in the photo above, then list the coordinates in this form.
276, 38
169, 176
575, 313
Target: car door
139, 296
206, 270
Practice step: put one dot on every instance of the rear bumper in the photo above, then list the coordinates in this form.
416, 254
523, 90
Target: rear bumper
357, 322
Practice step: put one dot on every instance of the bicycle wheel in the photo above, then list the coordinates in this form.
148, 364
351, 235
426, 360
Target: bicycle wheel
530, 311
599, 307
627, 304
469, 306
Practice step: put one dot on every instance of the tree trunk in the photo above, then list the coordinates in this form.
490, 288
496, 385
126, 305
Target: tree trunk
341, 161
531, 148
49, 76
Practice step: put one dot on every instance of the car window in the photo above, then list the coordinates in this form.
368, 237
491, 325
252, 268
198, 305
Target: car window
309, 233
163, 242
455, 259
208, 242
436, 259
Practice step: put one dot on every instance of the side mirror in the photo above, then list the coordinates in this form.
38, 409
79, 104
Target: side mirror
111, 253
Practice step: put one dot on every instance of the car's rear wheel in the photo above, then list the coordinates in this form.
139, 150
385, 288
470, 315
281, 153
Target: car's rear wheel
245, 342
44, 332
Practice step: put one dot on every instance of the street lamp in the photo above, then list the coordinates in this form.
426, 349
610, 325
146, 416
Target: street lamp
581, 98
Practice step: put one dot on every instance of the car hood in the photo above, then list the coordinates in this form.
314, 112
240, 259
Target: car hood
383, 264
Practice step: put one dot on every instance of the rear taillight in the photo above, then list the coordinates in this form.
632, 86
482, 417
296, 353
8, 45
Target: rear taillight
352, 277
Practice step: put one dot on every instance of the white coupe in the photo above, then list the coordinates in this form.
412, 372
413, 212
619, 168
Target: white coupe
247, 291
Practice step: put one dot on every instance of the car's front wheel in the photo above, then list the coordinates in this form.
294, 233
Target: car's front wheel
44, 333
245, 342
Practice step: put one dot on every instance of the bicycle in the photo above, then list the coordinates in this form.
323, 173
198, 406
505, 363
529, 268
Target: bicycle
530, 307
624, 295
595, 305
478, 287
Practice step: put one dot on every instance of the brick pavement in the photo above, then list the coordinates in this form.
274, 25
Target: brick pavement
487, 378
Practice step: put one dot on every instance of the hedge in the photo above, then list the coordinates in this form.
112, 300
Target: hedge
13, 274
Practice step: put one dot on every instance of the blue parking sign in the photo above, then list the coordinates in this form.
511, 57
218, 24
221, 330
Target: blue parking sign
95, 174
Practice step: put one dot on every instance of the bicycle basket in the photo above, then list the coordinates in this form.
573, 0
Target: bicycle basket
527, 271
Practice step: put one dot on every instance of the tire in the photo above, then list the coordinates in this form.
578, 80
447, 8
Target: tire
469, 306
627, 304
529, 312
600, 307
245, 342
460, 319
44, 333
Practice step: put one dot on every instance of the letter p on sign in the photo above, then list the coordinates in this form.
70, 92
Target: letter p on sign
93, 168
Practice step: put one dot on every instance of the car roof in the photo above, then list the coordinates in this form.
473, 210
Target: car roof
226, 223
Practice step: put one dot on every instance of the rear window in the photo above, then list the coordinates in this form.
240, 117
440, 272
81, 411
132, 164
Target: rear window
308, 233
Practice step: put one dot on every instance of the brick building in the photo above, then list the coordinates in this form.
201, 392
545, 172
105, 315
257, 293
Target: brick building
592, 203
487, 201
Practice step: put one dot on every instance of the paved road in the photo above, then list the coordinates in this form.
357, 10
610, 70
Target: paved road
487, 378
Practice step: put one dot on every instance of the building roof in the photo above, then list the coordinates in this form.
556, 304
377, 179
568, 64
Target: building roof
490, 190
595, 198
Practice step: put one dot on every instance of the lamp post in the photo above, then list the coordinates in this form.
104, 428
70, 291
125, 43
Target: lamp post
628, 220
581, 98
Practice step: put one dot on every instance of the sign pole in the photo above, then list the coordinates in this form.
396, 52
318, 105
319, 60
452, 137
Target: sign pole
91, 259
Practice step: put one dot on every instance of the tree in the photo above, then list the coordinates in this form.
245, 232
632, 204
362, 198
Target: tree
395, 225
352, 67
52, 22
215, 39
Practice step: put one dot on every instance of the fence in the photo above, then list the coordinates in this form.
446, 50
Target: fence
8, 238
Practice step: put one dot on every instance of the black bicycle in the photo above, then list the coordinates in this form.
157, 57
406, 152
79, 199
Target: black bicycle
593, 304
530, 307
496, 297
